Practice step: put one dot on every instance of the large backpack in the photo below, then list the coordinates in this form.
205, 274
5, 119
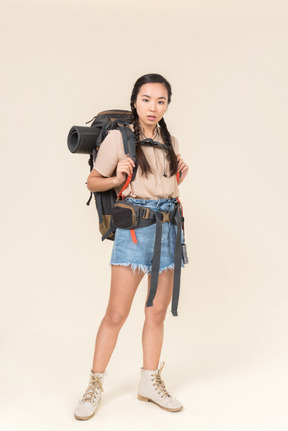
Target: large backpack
87, 140
105, 201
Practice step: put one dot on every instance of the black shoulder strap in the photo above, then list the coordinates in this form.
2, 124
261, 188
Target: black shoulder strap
128, 141
129, 145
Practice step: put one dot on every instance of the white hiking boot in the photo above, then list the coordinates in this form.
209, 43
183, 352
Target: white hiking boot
87, 406
152, 388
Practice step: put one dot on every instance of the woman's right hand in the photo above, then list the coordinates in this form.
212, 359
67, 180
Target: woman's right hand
96, 182
125, 167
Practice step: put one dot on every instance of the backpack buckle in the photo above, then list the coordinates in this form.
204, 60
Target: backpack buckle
146, 214
165, 217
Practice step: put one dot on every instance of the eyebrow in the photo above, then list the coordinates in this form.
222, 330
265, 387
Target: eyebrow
146, 95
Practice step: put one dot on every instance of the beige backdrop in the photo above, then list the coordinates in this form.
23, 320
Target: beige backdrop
62, 62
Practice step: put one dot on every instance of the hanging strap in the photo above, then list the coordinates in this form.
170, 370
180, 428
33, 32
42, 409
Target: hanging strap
177, 265
174, 216
133, 236
155, 261
90, 163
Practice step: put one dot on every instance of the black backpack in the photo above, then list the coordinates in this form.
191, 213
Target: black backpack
87, 140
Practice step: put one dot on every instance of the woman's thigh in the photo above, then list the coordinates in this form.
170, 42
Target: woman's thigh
124, 283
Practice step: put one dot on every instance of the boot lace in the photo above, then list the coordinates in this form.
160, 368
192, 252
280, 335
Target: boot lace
91, 392
159, 383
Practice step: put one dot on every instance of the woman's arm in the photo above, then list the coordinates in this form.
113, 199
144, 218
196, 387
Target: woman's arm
98, 183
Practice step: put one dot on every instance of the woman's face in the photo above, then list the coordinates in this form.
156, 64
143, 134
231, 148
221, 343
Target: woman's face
151, 104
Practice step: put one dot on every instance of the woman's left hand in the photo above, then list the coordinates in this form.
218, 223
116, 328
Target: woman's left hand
182, 167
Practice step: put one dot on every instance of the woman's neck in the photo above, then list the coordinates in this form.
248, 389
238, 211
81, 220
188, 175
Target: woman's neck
149, 132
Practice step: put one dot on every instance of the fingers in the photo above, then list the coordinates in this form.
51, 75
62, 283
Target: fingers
182, 167
126, 166
130, 161
184, 170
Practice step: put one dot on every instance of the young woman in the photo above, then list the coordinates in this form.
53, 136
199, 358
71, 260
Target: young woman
155, 186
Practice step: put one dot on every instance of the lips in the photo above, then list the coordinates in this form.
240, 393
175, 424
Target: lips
151, 117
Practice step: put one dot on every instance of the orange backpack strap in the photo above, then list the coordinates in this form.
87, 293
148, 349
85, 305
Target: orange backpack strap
133, 236
126, 184
120, 196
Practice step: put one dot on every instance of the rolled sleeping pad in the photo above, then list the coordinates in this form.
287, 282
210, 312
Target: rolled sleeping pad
82, 140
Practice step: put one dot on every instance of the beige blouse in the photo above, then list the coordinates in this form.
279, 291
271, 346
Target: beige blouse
156, 185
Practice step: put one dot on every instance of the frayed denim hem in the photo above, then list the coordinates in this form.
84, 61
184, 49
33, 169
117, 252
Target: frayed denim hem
135, 267
166, 268
143, 268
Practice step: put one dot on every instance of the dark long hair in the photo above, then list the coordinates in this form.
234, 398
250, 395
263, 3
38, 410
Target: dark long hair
151, 78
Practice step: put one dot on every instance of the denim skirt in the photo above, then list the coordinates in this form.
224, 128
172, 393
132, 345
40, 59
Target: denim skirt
139, 256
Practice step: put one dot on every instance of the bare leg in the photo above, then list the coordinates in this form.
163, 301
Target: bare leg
153, 329
124, 283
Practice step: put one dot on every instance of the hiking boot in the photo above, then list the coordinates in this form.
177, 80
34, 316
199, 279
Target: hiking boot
87, 406
152, 388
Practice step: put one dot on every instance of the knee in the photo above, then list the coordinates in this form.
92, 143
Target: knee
115, 318
155, 314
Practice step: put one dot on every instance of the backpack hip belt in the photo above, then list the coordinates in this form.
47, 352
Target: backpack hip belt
126, 215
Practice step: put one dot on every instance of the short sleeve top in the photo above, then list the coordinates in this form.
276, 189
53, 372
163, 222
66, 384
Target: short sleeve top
155, 185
